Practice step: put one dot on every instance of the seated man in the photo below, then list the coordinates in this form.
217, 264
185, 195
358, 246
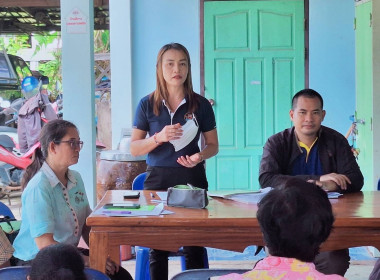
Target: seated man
295, 219
316, 154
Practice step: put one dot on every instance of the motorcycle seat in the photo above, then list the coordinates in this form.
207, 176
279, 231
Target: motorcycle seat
7, 142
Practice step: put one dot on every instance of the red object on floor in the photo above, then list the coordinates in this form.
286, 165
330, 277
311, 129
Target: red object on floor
125, 252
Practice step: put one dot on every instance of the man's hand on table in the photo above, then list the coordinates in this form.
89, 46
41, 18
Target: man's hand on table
332, 182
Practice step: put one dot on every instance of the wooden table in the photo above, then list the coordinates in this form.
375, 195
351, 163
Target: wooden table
225, 224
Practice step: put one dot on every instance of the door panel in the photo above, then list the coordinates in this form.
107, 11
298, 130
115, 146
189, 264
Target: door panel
253, 118
275, 30
226, 36
224, 90
236, 167
364, 91
254, 63
283, 89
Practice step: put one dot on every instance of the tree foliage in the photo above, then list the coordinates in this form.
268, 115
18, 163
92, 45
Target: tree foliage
13, 44
102, 41
52, 68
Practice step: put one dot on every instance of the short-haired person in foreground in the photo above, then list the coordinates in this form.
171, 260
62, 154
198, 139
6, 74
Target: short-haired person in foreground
313, 153
58, 262
54, 201
295, 220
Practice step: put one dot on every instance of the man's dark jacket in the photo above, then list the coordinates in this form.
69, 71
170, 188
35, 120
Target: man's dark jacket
282, 149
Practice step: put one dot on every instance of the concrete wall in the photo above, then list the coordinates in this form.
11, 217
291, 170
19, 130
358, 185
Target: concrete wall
154, 24
332, 59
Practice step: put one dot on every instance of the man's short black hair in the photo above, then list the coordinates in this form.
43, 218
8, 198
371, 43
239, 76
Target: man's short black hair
295, 219
307, 92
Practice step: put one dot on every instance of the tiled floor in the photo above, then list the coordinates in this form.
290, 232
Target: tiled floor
361, 266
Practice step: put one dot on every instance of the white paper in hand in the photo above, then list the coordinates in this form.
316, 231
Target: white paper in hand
190, 130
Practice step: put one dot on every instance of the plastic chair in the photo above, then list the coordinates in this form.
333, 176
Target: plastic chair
142, 253
5, 211
205, 273
138, 182
14, 272
20, 272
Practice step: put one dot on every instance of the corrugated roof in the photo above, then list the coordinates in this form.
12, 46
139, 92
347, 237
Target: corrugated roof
39, 16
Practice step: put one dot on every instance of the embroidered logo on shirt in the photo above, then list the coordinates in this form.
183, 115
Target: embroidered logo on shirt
188, 116
79, 197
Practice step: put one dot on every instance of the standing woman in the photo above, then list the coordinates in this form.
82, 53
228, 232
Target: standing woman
54, 201
174, 116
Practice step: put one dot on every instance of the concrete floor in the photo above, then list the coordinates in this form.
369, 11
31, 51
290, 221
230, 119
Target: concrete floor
361, 264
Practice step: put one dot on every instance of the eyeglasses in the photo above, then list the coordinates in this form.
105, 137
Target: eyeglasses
73, 144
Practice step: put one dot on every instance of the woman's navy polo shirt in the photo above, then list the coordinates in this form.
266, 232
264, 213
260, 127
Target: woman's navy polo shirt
146, 120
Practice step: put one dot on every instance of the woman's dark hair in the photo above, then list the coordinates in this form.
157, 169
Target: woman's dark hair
161, 92
309, 93
295, 219
58, 262
53, 131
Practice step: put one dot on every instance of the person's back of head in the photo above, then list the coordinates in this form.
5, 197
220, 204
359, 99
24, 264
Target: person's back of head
295, 219
58, 262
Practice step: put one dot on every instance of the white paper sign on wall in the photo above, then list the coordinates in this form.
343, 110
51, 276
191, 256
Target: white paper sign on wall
76, 22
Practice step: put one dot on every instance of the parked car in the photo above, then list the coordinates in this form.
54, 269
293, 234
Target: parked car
13, 69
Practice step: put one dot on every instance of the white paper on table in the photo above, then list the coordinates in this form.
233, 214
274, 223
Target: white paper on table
333, 194
162, 195
250, 197
157, 210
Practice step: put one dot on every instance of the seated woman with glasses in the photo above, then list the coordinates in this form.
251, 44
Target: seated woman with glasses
54, 201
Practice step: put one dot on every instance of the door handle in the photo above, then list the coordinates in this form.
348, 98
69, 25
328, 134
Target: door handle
360, 121
212, 101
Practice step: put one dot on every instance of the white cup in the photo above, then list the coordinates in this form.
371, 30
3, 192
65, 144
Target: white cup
124, 144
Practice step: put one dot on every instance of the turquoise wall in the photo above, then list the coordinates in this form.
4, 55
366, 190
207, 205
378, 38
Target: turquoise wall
332, 59
154, 24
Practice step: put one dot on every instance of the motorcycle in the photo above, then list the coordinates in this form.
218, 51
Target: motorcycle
12, 164
9, 111
12, 161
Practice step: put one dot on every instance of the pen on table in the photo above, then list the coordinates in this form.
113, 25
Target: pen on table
116, 212
152, 195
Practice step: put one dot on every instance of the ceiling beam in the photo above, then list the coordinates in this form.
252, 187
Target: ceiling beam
43, 3
29, 3
18, 29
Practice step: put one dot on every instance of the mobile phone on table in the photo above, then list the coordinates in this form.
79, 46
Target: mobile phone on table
122, 205
131, 194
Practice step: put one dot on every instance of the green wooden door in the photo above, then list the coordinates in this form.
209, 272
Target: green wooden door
364, 91
254, 63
